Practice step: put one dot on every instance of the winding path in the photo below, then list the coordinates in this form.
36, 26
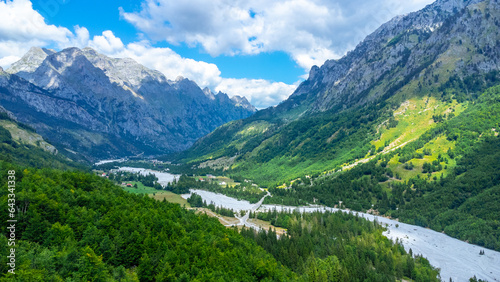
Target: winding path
244, 219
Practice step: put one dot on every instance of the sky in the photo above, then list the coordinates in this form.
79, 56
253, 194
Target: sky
254, 48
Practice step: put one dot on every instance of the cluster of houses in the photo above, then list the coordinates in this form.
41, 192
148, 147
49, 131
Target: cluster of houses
211, 177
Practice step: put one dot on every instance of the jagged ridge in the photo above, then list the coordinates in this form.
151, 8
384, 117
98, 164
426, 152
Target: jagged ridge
105, 107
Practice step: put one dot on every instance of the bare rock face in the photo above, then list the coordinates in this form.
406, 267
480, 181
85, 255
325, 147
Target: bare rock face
105, 107
413, 47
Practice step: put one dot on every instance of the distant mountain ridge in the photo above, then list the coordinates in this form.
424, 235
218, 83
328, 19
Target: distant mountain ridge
395, 53
449, 51
104, 107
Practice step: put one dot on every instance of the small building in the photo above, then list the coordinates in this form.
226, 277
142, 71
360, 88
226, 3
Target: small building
222, 183
129, 185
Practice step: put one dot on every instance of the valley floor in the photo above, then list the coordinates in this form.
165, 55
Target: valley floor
457, 260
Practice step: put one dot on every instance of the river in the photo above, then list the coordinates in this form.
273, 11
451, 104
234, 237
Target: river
163, 177
457, 260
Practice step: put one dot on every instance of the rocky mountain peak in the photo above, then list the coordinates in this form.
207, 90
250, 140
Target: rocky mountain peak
209, 93
400, 50
31, 60
313, 72
124, 71
105, 107
241, 101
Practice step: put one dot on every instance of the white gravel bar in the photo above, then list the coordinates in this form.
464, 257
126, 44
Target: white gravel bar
163, 177
220, 200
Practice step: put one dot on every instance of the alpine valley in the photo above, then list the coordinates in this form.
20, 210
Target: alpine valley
101, 107
403, 128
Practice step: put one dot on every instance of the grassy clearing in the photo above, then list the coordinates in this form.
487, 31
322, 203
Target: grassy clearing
141, 189
170, 197
156, 194
415, 118
23, 136
219, 179
266, 225
438, 146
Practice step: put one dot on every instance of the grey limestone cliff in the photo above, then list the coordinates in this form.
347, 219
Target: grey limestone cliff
414, 47
104, 107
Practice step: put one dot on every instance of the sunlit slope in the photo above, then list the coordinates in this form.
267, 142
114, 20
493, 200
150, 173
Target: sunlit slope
21, 144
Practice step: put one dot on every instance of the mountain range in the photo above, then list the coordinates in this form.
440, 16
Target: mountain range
433, 59
406, 125
103, 107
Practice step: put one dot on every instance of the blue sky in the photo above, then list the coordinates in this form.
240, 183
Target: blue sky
258, 49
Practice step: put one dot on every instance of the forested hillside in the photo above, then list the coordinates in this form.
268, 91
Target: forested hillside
452, 188
79, 226
75, 225
401, 80
28, 148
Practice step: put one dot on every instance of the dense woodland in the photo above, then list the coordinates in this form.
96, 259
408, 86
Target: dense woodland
78, 226
338, 247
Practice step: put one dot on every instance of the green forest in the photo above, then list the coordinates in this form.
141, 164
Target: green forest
339, 247
73, 224
79, 226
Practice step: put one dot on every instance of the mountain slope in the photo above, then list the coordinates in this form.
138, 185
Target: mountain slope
448, 179
20, 144
105, 107
336, 115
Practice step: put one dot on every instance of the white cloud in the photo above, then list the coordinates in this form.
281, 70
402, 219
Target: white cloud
80, 39
21, 23
22, 27
311, 31
259, 92
107, 43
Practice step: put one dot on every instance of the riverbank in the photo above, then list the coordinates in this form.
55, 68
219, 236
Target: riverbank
457, 260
